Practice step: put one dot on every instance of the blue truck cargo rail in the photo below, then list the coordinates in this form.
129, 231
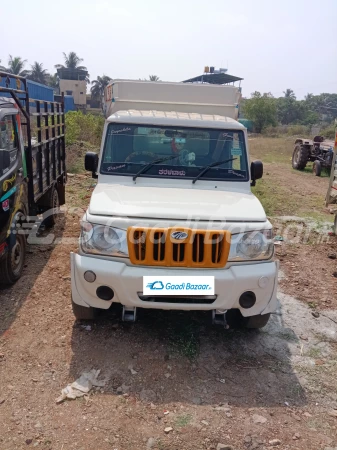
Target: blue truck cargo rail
37, 91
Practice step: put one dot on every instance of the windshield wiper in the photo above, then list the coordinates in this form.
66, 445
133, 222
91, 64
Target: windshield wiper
149, 165
206, 168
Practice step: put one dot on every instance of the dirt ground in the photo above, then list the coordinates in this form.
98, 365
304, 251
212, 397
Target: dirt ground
308, 253
247, 390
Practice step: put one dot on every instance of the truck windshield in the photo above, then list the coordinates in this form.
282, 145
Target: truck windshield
129, 147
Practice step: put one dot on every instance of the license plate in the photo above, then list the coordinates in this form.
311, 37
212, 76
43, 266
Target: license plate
181, 285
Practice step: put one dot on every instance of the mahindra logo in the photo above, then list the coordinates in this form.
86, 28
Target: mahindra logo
179, 235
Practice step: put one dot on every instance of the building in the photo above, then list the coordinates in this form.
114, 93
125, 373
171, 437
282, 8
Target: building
214, 76
74, 82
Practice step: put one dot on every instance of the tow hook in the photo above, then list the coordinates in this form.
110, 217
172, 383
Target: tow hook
219, 318
129, 314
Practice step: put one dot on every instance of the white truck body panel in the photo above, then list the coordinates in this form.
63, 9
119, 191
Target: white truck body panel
178, 97
179, 203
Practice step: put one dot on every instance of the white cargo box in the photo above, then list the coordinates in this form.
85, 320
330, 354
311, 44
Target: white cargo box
180, 97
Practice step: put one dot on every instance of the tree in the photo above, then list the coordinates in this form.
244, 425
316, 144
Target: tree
289, 93
154, 78
16, 66
325, 105
71, 61
289, 110
261, 110
98, 87
38, 73
52, 80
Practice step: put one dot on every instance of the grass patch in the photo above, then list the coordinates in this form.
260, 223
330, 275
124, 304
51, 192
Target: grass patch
184, 338
278, 200
275, 199
183, 421
272, 150
313, 353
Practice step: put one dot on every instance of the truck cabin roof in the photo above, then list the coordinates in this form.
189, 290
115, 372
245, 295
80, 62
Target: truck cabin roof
174, 118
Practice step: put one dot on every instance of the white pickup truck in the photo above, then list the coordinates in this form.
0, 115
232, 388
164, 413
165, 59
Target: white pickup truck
172, 222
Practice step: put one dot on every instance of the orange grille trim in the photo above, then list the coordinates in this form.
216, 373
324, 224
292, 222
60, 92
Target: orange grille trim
156, 247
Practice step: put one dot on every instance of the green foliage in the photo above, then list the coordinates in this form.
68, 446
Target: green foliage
99, 85
71, 61
261, 109
287, 130
83, 127
183, 420
289, 93
38, 73
329, 132
289, 110
298, 130
313, 110
325, 105
16, 66
154, 78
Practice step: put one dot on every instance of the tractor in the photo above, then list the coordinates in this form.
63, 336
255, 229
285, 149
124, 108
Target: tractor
319, 151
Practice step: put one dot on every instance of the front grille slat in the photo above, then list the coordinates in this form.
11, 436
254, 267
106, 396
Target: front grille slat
157, 247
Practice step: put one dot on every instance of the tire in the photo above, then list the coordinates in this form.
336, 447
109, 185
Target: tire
11, 266
83, 313
317, 168
53, 204
300, 157
258, 321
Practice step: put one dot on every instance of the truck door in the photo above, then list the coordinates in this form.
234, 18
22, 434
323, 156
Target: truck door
10, 170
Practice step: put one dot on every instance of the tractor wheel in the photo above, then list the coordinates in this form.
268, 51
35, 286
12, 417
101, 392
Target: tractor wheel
317, 168
300, 157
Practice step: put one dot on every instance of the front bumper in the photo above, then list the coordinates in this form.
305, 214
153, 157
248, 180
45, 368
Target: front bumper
127, 283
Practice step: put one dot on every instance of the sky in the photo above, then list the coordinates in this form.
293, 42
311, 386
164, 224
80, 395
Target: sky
272, 45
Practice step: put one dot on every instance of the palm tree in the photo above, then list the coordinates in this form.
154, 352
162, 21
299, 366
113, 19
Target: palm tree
38, 73
52, 80
154, 78
99, 85
16, 66
289, 93
72, 61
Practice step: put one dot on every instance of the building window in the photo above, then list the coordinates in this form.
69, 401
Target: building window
69, 92
81, 92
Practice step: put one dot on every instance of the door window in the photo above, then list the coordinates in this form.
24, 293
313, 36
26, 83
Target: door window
8, 144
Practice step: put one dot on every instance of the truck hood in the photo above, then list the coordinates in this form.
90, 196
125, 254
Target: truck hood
172, 203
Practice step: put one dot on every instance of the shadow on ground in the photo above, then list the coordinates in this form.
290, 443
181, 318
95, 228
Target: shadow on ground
38, 253
180, 357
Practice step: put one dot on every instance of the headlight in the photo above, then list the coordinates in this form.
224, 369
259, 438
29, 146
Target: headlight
254, 245
103, 240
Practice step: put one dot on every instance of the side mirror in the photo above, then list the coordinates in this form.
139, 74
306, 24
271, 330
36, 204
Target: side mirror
91, 163
256, 171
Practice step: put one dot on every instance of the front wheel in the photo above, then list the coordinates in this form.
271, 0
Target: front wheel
258, 321
11, 266
317, 168
83, 313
